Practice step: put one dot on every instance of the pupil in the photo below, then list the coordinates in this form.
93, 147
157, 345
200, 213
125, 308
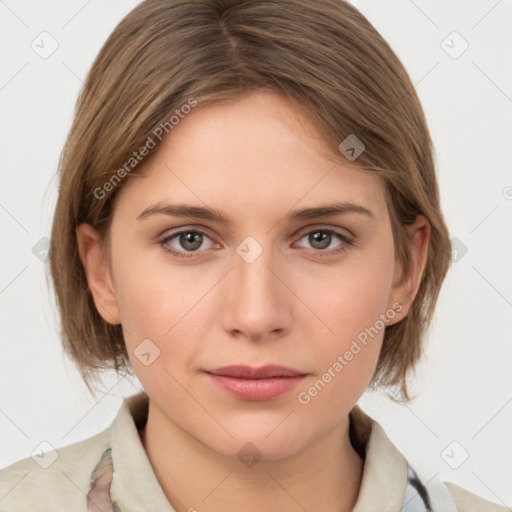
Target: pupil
193, 239
320, 236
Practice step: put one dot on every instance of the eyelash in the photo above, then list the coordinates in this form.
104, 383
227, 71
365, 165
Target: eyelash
347, 241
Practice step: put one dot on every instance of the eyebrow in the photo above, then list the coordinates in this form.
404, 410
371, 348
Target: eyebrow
200, 212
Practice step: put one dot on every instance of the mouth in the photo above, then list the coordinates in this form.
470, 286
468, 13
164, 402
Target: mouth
255, 384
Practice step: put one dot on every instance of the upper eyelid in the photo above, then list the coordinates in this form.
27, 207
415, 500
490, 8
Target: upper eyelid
176, 231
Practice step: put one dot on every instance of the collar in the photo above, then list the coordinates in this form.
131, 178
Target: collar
124, 476
385, 469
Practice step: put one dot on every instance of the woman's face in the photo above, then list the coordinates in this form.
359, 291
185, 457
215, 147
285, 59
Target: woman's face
268, 286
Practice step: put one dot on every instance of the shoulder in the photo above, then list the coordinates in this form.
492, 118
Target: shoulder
466, 501
56, 480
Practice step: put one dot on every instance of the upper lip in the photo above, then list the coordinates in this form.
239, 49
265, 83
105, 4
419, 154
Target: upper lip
250, 372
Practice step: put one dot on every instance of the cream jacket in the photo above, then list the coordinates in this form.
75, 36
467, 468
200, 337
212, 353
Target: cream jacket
110, 472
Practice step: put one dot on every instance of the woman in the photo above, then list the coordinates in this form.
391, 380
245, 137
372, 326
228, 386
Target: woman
249, 220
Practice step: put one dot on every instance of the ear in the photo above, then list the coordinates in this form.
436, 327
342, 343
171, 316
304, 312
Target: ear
97, 270
407, 281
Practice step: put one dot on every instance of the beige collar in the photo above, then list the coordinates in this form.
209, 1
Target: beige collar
388, 484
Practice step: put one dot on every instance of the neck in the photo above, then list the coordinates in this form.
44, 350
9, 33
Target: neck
326, 475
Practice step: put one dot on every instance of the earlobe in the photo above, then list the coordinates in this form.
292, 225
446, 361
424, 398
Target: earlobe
98, 274
407, 281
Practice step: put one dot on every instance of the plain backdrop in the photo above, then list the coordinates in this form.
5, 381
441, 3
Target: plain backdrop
458, 54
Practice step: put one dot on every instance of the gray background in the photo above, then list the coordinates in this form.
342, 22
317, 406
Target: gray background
465, 381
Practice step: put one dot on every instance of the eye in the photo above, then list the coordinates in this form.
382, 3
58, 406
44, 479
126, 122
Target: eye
321, 238
188, 240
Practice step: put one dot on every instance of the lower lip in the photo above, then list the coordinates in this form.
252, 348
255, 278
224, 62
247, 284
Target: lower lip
256, 389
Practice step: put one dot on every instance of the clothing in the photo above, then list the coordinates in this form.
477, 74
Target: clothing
111, 472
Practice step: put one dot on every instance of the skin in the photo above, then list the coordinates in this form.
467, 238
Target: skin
256, 159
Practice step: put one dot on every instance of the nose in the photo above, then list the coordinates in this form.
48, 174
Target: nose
258, 304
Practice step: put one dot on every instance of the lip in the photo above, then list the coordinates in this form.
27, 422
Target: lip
256, 384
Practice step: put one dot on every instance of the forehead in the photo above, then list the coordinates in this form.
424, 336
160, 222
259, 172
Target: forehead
259, 154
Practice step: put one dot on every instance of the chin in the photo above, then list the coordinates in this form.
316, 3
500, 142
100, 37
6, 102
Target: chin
255, 444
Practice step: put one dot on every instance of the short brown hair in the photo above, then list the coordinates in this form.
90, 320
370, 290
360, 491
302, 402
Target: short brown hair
325, 55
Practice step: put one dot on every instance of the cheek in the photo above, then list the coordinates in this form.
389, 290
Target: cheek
153, 306
350, 303
346, 358
152, 294
351, 296
164, 303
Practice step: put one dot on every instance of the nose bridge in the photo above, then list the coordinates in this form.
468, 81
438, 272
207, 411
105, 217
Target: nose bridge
253, 265
257, 302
